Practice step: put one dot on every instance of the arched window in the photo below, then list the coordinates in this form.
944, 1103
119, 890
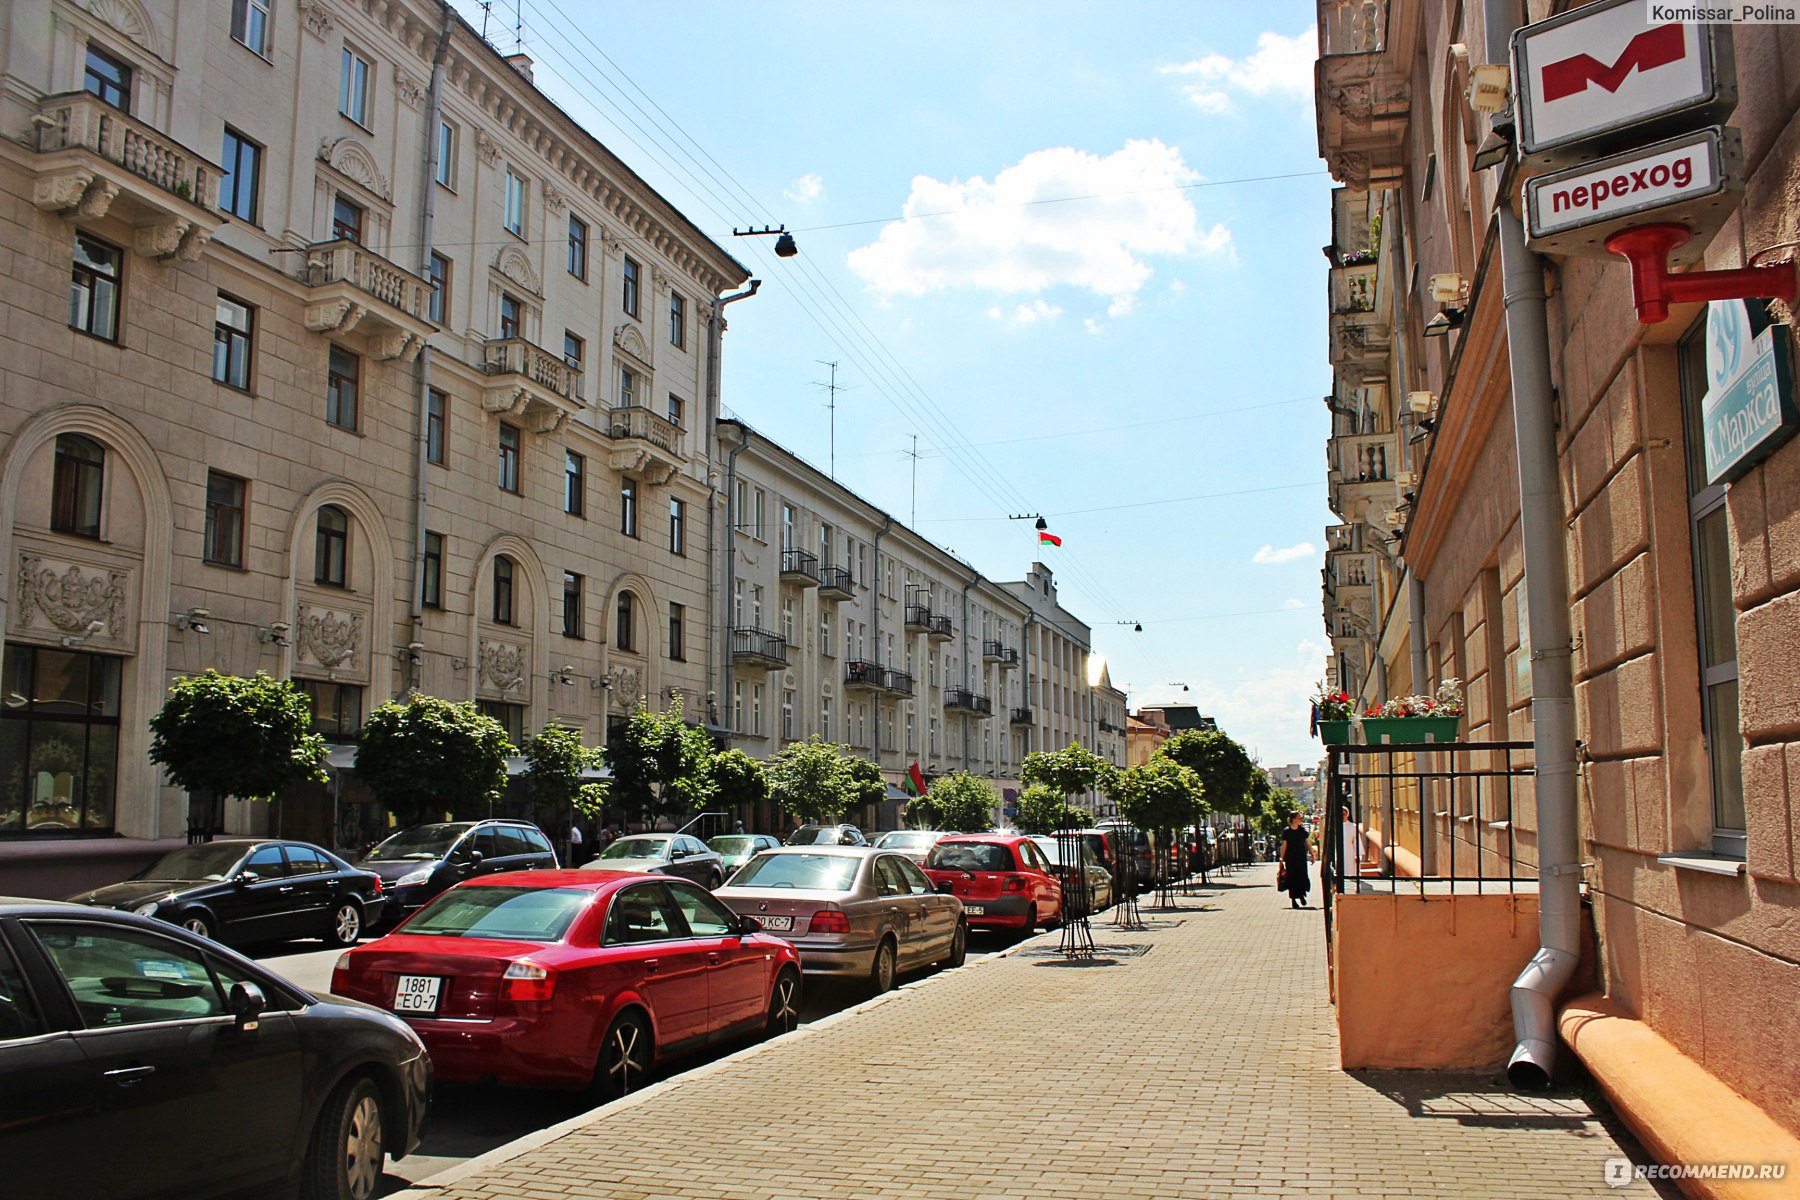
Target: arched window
76, 485
622, 640
503, 590
332, 547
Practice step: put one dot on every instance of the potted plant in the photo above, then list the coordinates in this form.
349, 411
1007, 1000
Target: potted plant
1408, 720
1331, 716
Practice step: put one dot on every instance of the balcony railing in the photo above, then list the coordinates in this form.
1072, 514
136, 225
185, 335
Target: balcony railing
357, 295
1022, 716
865, 675
999, 652
344, 261
801, 567
81, 120
758, 647
899, 683
516, 356
941, 629
964, 700
918, 616
1351, 26
1353, 288
836, 583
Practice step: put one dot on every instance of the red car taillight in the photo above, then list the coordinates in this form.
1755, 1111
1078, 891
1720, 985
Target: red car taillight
377, 885
1013, 884
829, 920
340, 974
527, 981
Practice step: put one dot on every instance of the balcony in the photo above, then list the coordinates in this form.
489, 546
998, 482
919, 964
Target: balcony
95, 161
757, 648
355, 295
918, 617
1352, 288
1341, 537
860, 676
650, 446
797, 566
897, 683
1365, 51
999, 652
1359, 342
835, 583
963, 700
940, 629
1022, 716
530, 383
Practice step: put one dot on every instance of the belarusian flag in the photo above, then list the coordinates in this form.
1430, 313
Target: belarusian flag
913, 782
1046, 538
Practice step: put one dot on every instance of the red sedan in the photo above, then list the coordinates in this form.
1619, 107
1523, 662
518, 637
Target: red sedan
574, 979
1004, 881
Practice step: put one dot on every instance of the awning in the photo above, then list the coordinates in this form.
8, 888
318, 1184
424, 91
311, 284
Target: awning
894, 793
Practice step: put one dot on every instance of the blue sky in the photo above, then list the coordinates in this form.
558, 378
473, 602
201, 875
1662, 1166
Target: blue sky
1085, 315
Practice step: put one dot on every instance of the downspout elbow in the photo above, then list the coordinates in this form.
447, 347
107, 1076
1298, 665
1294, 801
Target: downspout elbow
1534, 995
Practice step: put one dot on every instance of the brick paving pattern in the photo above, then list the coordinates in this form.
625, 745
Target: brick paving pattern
1204, 1068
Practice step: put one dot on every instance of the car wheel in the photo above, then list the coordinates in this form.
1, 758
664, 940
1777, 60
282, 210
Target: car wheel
625, 1059
884, 968
714, 880
1030, 921
346, 924
345, 1158
199, 924
784, 1003
959, 946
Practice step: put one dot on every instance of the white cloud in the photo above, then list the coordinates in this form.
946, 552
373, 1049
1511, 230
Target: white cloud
1026, 314
1269, 554
1007, 235
805, 189
1092, 326
1293, 603
1279, 65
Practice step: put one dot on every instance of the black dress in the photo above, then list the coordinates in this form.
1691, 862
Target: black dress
1294, 860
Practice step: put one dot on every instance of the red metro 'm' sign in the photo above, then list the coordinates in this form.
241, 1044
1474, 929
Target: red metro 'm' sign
1659, 47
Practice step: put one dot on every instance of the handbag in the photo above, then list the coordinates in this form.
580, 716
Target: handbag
1281, 878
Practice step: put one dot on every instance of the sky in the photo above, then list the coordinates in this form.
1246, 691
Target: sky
1072, 248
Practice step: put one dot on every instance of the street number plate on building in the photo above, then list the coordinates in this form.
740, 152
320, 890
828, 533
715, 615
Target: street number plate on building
974, 910
417, 993
776, 924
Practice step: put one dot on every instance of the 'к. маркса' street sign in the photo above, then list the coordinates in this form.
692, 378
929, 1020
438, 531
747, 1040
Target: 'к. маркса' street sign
1691, 180
1748, 410
1602, 77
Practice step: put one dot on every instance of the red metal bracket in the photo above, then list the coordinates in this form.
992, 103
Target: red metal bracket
1653, 289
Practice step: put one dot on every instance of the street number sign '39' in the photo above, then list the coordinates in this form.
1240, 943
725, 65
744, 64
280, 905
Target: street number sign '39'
1748, 409
1602, 77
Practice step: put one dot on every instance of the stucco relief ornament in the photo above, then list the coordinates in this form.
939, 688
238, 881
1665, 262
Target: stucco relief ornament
487, 148
624, 687
327, 638
410, 90
501, 666
71, 601
556, 200
316, 17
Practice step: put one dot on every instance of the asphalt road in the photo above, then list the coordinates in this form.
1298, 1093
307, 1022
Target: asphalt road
469, 1120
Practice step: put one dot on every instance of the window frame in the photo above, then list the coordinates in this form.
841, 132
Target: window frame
574, 350
335, 389
216, 527
94, 271
78, 487
355, 87
431, 573
677, 632
512, 448
448, 138
230, 337
437, 426
575, 483
103, 87
241, 13
574, 605
512, 316
677, 320
624, 614
503, 586
628, 514
516, 199
437, 278
630, 279
331, 569
677, 526
233, 164
578, 247
342, 230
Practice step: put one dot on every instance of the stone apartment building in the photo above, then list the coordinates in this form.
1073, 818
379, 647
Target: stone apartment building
1683, 593
332, 349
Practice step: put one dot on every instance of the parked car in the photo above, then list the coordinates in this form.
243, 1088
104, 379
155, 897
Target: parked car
1076, 850
574, 979
827, 835
851, 911
245, 890
1003, 880
419, 862
138, 1060
736, 849
1129, 840
663, 854
914, 843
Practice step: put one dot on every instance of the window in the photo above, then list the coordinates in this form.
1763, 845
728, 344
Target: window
787, 619
756, 512
572, 606
574, 350
77, 483
622, 637
737, 705
336, 711
503, 590
515, 203
94, 288
343, 371
346, 220
578, 247
627, 387
756, 605
231, 343
756, 699
250, 24
511, 718
677, 526
676, 408
787, 528
446, 155
677, 642
59, 740
510, 311
240, 187
224, 542
108, 78
787, 716
628, 507
431, 579
438, 276
99, 964
677, 320
706, 917
825, 540
437, 426
630, 295
509, 458
353, 87
825, 717
575, 485
331, 545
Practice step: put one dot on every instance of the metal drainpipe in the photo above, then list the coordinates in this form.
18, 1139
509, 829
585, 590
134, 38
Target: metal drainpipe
1541, 520
1415, 606
718, 663
731, 524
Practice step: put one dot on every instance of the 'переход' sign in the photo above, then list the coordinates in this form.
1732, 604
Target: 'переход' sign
1748, 409
1685, 180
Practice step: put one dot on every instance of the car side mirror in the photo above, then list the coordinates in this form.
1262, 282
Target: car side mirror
946, 888
474, 858
246, 878
678, 852
247, 1004
748, 926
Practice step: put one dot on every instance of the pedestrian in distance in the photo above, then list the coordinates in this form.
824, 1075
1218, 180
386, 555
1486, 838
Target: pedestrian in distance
1294, 876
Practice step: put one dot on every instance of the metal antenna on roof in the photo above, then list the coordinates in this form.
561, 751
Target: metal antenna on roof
487, 10
913, 454
832, 390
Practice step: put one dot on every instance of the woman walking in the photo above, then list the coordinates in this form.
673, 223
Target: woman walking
1296, 854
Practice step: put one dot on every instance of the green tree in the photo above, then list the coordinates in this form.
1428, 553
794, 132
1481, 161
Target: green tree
963, 802
554, 761
923, 812
863, 779
1280, 805
738, 781
1160, 794
427, 755
1225, 770
230, 736
1071, 771
659, 765
1044, 810
809, 780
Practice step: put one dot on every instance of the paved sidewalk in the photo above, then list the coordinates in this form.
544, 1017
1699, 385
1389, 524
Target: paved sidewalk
1206, 1067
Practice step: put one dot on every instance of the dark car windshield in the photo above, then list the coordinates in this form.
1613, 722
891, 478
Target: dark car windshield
1053, 850
636, 847
822, 835
969, 856
814, 872
422, 842
733, 843
502, 913
196, 864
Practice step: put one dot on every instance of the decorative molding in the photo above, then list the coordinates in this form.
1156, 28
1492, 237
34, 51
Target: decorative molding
316, 18
328, 638
162, 241
486, 148
557, 200
411, 91
512, 263
624, 692
129, 18
351, 159
72, 600
501, 665
628, 338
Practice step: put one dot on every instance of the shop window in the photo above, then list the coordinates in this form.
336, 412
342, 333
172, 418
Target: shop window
59, 741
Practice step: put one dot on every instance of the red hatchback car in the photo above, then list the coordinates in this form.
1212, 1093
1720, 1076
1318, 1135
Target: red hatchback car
1004, 881
574, 979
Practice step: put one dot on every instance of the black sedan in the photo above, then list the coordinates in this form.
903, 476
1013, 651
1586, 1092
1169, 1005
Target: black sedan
138, 1062
251, 891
